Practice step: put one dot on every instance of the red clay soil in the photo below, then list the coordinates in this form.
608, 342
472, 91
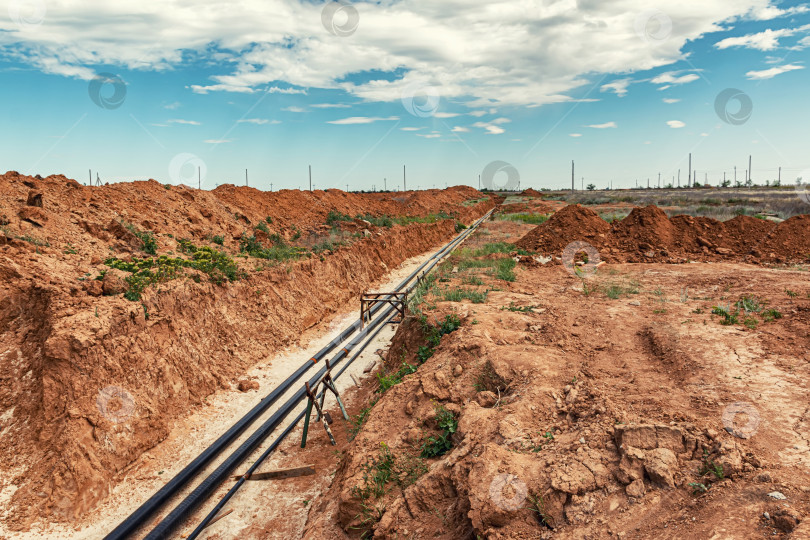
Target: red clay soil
531, 192
648, 235
90, 381
572, 223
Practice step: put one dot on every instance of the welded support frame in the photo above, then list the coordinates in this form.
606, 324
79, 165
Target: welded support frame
312, 401
369, 300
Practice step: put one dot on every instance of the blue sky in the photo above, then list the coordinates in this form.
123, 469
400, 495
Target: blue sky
625, 88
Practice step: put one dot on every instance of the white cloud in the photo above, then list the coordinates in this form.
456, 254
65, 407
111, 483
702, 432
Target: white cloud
459, 129
575, 134
445, 115
294, 109
606, 125
767, 12
173, 106
331, 106
431, 135
217, 141
706, 135
411, 128
184, 122
767, 40
258, 121
670, 100
675, 124
492, 128
554, 47
773, 72
674, 77
478, 114
618, 87
361, 120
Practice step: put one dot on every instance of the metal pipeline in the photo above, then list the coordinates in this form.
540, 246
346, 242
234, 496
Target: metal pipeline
270, 449
154, 503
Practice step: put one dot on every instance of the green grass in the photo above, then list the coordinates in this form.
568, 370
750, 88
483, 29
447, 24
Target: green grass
749, 304
729, 317
533, 219
377, 221
440, 444
145, 272
615, 290
280, 251
472, 280
334, 217
458, 294
771, 314
148, 242
218, 239
392, 379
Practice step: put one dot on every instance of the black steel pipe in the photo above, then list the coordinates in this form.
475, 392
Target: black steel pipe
270, 449
154, 503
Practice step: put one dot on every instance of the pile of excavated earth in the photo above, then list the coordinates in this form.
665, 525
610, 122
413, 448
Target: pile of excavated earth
123, 306
648, 235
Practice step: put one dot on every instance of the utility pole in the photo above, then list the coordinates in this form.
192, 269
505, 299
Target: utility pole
780, 175
679, 178
404, 184
582, 184
724, 178
659, 180
246, 179
271, 186
385, 184
572, 176
750, 171
689, 180
347, 188
310, 177
479, 182
648, 183
735, 175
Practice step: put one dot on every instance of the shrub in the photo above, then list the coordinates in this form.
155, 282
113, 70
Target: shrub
439, 445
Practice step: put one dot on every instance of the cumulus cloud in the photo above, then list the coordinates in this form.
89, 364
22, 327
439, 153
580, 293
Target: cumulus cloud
575, 134
618, 87
281, 46
772, 72
606, 125
670, 100
671, 78
675, 124
460, 129
766, 40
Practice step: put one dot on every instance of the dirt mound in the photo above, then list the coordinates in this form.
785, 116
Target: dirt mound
647, 230
789, 241
572, 223
648, 235
531, 192
93, 379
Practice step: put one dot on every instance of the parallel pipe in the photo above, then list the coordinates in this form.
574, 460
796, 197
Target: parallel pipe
154, 503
